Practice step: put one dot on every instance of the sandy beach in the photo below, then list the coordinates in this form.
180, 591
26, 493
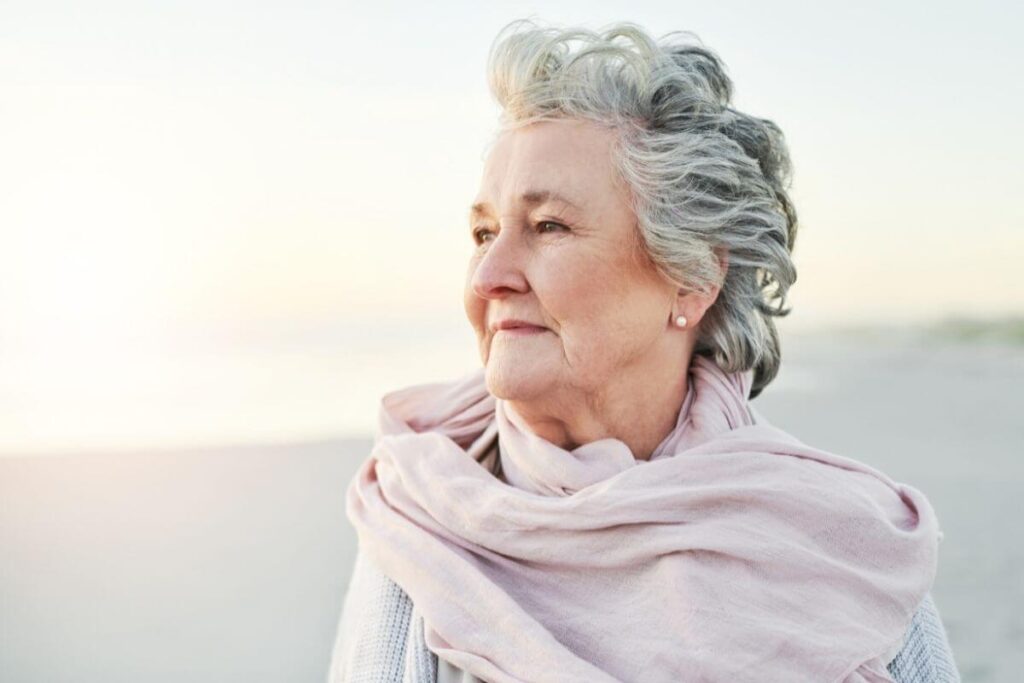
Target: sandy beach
230, 564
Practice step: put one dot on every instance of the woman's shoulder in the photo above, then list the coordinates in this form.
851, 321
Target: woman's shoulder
372, 631
925, 655
380, 634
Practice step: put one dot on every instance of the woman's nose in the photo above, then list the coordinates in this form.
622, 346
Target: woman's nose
500, 270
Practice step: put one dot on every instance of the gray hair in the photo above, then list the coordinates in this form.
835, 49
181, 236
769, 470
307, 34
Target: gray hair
704, 178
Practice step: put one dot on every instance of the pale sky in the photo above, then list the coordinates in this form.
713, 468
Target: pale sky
178, 176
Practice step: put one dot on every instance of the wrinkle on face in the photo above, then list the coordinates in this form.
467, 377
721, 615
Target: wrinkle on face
605, 305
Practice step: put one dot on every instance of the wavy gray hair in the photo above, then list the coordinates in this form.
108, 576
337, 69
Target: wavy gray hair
704, 178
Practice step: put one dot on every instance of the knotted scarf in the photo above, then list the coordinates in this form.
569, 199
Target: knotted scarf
736, 553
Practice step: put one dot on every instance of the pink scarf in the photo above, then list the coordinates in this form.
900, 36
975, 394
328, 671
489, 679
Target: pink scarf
737, 553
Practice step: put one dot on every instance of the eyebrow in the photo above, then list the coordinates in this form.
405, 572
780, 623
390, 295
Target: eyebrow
532, 197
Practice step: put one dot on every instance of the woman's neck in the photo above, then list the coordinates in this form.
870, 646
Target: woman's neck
640, 416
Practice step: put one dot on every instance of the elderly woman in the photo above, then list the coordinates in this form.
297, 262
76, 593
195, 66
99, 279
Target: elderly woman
600, 501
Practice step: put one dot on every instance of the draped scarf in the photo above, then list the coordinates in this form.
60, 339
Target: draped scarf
735, 553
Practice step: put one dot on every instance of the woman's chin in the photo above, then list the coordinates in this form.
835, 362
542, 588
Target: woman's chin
516, 383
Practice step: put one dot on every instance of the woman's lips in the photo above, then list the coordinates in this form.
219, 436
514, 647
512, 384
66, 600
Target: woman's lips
522, 331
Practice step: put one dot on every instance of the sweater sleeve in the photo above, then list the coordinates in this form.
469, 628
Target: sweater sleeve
373, 628
926, 656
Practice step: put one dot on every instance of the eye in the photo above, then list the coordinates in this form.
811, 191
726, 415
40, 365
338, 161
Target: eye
542, 226
558, 226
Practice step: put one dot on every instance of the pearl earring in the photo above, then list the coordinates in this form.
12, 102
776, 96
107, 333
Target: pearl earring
681, 321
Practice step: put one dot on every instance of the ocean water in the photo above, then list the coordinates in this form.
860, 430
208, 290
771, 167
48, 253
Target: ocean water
230, 564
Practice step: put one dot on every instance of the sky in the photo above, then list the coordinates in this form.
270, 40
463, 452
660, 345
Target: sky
237, 221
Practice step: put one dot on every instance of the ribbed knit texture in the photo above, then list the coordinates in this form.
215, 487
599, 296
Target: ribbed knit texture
370, 646
380, 638
926, 655
420, 663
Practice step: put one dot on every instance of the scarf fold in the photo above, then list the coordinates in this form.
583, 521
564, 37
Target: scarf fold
736, 553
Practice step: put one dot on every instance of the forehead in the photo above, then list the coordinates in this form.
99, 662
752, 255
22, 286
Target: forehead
563, 158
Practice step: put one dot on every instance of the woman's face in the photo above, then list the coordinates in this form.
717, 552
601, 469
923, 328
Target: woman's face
554, 235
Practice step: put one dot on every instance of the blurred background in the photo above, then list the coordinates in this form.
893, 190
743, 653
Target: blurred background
226, 229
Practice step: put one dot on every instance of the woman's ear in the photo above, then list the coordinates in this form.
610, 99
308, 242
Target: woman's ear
693, 305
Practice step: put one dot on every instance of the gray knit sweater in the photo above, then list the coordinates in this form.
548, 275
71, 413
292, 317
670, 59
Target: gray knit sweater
380, 638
